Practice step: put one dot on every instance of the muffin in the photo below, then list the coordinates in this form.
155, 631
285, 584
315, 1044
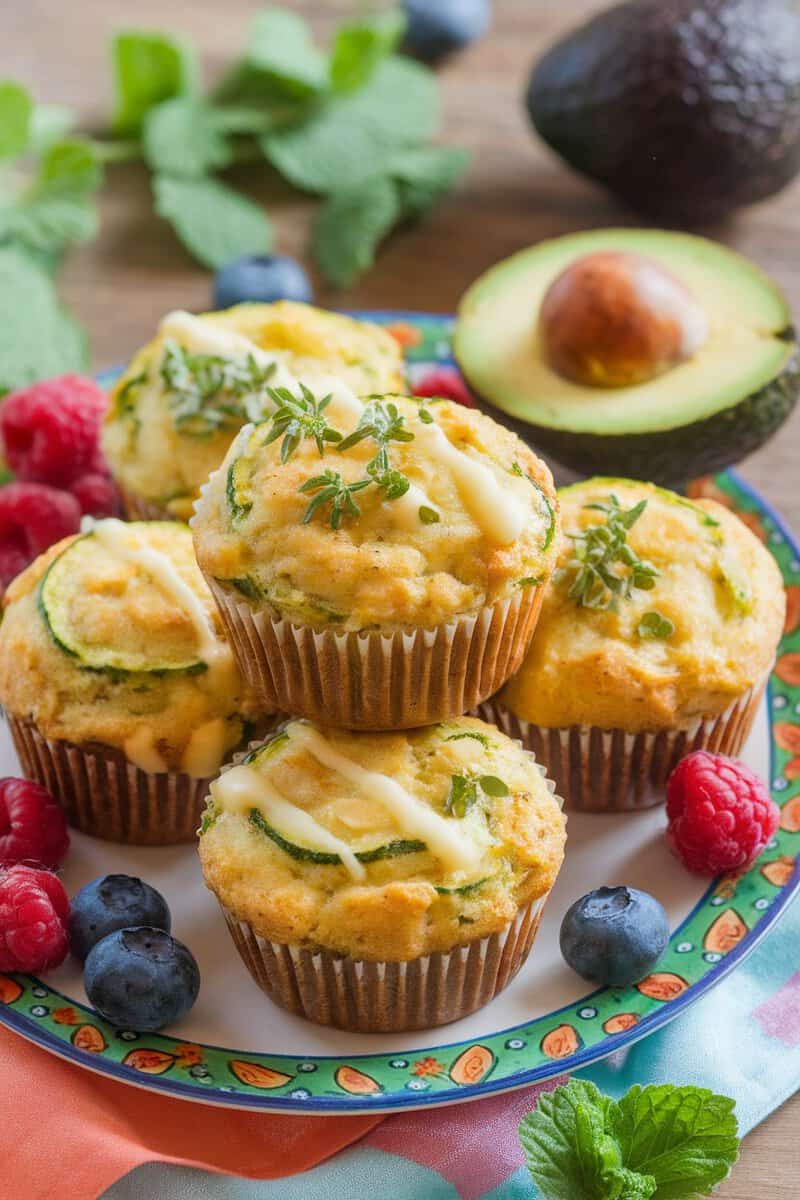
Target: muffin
383, 881
122, 696
377, 564
658, 630
177, 408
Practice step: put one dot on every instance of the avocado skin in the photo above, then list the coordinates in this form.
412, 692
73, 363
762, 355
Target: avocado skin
670, 457
685, 110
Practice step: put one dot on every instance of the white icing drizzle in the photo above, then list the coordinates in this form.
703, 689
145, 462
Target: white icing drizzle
120, 540
207, 337
444, 836
205, 749
243, 788
140, 749
499, 510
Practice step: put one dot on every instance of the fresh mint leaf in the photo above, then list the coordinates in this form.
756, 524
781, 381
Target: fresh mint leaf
148, 68
685, 1137
56, 209
16, 108
49, 123
182, 138
425, 174
351, 137
349, 227
281, 46
214, 222
568, 1146
69, 165
37, 338
358, 48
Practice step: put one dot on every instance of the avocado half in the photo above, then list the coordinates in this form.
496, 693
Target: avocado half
694, 419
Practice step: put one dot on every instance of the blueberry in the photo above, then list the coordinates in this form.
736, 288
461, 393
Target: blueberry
438, 27
614, 935
261, 277
141, 978
113, 902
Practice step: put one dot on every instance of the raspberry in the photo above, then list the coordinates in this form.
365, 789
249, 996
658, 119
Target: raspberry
32, 517
33, 827
50, 430
97, 495
444, 381
720, 815
33, 920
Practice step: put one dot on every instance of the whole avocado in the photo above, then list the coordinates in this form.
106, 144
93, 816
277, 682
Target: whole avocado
686, 109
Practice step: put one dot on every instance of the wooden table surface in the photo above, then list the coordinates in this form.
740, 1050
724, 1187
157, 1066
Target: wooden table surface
516, 193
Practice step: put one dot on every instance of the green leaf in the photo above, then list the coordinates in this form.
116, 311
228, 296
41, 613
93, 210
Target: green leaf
654, 625
214, 222
349, 226
56, 209
350, 137
37, 338
426, 173
567, 1144
428, 515
181, 138
148, 68
493, 786
358, 48
49, 123
16, 107
281, 46
685, 1137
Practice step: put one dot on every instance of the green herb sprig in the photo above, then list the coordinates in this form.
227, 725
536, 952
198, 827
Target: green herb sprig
331, 489
602, 548
207, 392
467, 790
655, 625
661, 1142
299, 417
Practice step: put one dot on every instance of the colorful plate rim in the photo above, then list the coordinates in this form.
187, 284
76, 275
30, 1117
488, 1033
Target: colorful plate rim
558, 1042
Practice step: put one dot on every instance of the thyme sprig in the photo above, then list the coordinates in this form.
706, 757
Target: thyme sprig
383, 423
299, 417
599, 550
208, 392
332, 489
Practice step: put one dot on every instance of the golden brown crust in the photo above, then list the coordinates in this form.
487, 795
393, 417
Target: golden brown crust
717, 584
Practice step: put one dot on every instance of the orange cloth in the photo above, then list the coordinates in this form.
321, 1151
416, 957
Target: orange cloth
63, 1126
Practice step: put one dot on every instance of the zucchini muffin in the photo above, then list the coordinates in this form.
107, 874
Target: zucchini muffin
658, 631
378, 564
122, 696
383, 881
180, 403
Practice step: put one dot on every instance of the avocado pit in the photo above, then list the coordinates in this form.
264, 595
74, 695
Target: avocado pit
614, 319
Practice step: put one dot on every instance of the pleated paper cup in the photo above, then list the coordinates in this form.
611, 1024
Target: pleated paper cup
108, 797
379, 681
609, 770
387, 997
138, 509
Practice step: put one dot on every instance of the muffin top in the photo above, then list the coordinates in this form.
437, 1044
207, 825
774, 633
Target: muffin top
660, 611
178, 406
383, 514
382, 845
112, 637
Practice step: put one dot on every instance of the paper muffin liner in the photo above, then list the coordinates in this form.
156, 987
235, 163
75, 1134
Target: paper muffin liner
364, 996
380, 681
136, 508
108, 797
609, 770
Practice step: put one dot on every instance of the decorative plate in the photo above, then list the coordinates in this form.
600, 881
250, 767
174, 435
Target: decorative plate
236, 1049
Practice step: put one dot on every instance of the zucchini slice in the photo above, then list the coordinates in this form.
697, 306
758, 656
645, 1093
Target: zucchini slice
308, 854
78, 620
239, 483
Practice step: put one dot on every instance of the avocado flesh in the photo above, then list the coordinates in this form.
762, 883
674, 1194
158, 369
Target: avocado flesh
700, 416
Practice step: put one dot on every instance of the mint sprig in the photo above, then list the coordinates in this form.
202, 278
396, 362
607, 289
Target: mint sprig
657, 1143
